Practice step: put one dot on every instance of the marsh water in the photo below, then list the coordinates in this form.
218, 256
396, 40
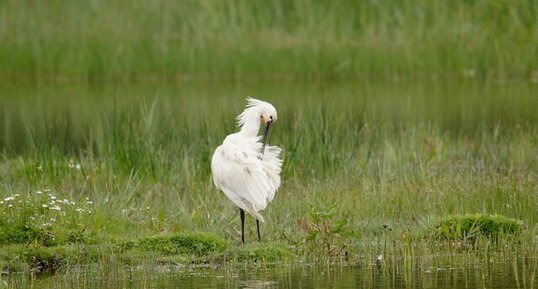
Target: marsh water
374, 275
71, 117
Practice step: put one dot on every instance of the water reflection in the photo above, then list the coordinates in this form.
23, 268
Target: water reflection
256, 284
400, 275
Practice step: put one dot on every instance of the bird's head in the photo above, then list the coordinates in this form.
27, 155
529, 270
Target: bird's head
268, 113
257, 110
263, 110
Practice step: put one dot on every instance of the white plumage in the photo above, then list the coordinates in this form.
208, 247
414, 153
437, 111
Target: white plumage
248, 178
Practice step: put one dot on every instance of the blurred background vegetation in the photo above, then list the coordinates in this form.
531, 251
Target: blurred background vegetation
123, 41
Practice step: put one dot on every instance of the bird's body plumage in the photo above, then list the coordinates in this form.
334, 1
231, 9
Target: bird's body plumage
248, 178
250, 183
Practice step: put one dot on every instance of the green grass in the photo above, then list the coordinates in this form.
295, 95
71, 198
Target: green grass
123, 173
116, 41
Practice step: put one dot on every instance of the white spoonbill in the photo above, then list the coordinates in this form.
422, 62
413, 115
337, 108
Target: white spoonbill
245, 169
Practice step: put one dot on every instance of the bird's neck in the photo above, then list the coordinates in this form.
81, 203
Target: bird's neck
251, 126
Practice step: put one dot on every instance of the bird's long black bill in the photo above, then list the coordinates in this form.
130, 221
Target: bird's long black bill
265, 136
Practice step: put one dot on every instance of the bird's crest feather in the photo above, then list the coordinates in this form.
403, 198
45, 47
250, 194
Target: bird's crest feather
252, 104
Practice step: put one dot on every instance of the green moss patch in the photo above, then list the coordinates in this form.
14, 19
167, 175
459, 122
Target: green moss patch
40, 259
198, 244
470, 226
20, 256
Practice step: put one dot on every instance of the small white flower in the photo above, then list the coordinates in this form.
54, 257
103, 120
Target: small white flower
10, 205
16, 195
89, 202
53, 197
79, 210
8, 199
39, 192
77, 166
56, 208
44, 206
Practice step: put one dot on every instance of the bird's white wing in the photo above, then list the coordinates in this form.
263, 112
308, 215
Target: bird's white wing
272, 166
246, 180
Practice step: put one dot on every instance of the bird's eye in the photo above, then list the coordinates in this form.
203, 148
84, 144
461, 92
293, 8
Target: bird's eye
271, 117
261, 116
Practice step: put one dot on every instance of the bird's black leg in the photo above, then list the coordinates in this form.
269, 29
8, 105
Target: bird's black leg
242, 215
258, 227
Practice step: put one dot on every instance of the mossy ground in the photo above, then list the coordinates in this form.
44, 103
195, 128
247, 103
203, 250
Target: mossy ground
180, 248
206, 248
470, 226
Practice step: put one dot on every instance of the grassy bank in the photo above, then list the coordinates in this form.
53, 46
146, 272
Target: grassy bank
244, 40
123, 173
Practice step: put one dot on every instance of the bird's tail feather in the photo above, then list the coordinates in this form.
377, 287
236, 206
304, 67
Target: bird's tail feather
256, 215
